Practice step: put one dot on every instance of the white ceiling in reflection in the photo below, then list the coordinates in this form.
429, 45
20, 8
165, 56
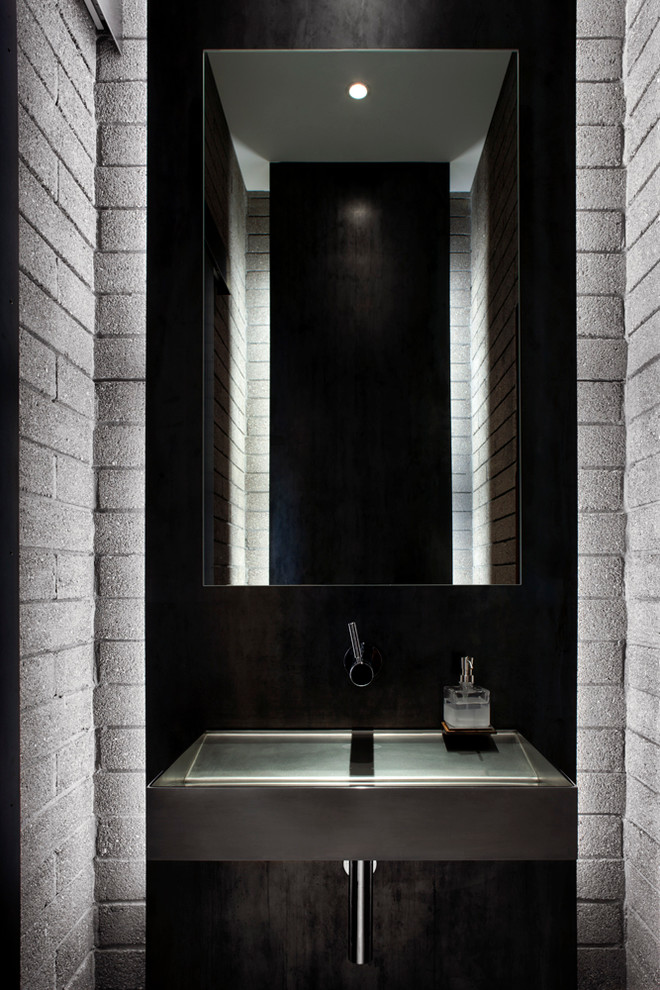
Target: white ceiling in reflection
422, 106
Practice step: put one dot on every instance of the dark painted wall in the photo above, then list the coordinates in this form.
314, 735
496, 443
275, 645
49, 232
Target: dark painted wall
9, 687
243, 657
360, 459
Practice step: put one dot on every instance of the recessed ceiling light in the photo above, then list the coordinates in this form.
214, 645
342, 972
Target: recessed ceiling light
358, 91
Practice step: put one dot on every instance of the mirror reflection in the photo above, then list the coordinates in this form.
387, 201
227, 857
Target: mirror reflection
361, 318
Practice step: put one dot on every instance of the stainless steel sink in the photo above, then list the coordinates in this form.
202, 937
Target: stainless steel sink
308, 795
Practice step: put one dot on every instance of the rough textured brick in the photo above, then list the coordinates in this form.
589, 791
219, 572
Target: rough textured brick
600, 880
601, 360
599, 924
121, 924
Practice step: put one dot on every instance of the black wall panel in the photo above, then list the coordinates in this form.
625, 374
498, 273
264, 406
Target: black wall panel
268, 657
360, 457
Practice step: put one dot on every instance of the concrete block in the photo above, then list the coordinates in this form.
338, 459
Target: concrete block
79, 117
120, 272
642, 18
643, 760
119, 619
601, 360
122, 749
644, 945
601, 706
37, 888
119, 704
75, 296
81, 29
600, 880
121, 186
599, 924
120, 969
642, 852
45, 523
601, 619
600, 316
600, 577
119, 793
36, 152
643, 712
598, 146
641, 120
643, 898
74, 670
75, 948
83, 979
54, 625
121, 924
599, 836
121, 577
600, 102
257, 262
642, 256
601, 189
74, 388
135, 18
600, 273
37, 681
601, 793
121, 315
641, 302
42, 316
643, 578
600, 19
130, 64
600, 490
58, 919
45, 833
121, 663
643, 345
643, 806
121, 838
643, 668
120, 488
120, 358
74, 575
600, 749
122, 102
601, 446
600, 230
74, 481
642, 185
119, 446
601, 533
76, 852
53, 425
601, 968
120, 880
599, 59
122, 144
36, 47
36, 469
600, 402
38, 783
123, 230
36, 258
644, 529
51, 121
76, 204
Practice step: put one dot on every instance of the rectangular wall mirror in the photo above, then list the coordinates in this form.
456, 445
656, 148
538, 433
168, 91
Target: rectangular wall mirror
361, 331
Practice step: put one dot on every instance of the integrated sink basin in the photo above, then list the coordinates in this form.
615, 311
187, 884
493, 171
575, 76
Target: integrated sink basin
361, 795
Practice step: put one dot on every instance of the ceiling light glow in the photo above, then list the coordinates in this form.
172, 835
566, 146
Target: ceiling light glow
358, 91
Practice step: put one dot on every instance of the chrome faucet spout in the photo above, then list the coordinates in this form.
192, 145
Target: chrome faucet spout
362, 661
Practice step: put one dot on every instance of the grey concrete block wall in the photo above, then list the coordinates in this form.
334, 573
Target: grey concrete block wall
120, 272
460, 284
642, 493
57, 148
601, 453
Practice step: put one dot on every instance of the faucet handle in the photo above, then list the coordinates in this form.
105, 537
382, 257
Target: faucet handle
362, 661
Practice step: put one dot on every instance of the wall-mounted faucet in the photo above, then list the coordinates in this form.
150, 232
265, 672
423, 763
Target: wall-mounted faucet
362, 661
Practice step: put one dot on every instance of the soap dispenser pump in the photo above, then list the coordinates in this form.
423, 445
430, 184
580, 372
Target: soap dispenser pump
466, 705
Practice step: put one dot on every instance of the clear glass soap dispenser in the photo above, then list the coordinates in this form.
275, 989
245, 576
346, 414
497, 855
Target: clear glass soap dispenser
466, 705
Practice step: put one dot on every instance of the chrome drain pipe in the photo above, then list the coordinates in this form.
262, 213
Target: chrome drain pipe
360, 910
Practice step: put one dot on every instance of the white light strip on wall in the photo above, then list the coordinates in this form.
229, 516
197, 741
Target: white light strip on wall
93, 13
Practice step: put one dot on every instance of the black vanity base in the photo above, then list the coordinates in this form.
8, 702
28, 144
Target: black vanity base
282, 926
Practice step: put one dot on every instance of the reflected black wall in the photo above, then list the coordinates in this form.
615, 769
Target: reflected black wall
360, 458
271, 657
